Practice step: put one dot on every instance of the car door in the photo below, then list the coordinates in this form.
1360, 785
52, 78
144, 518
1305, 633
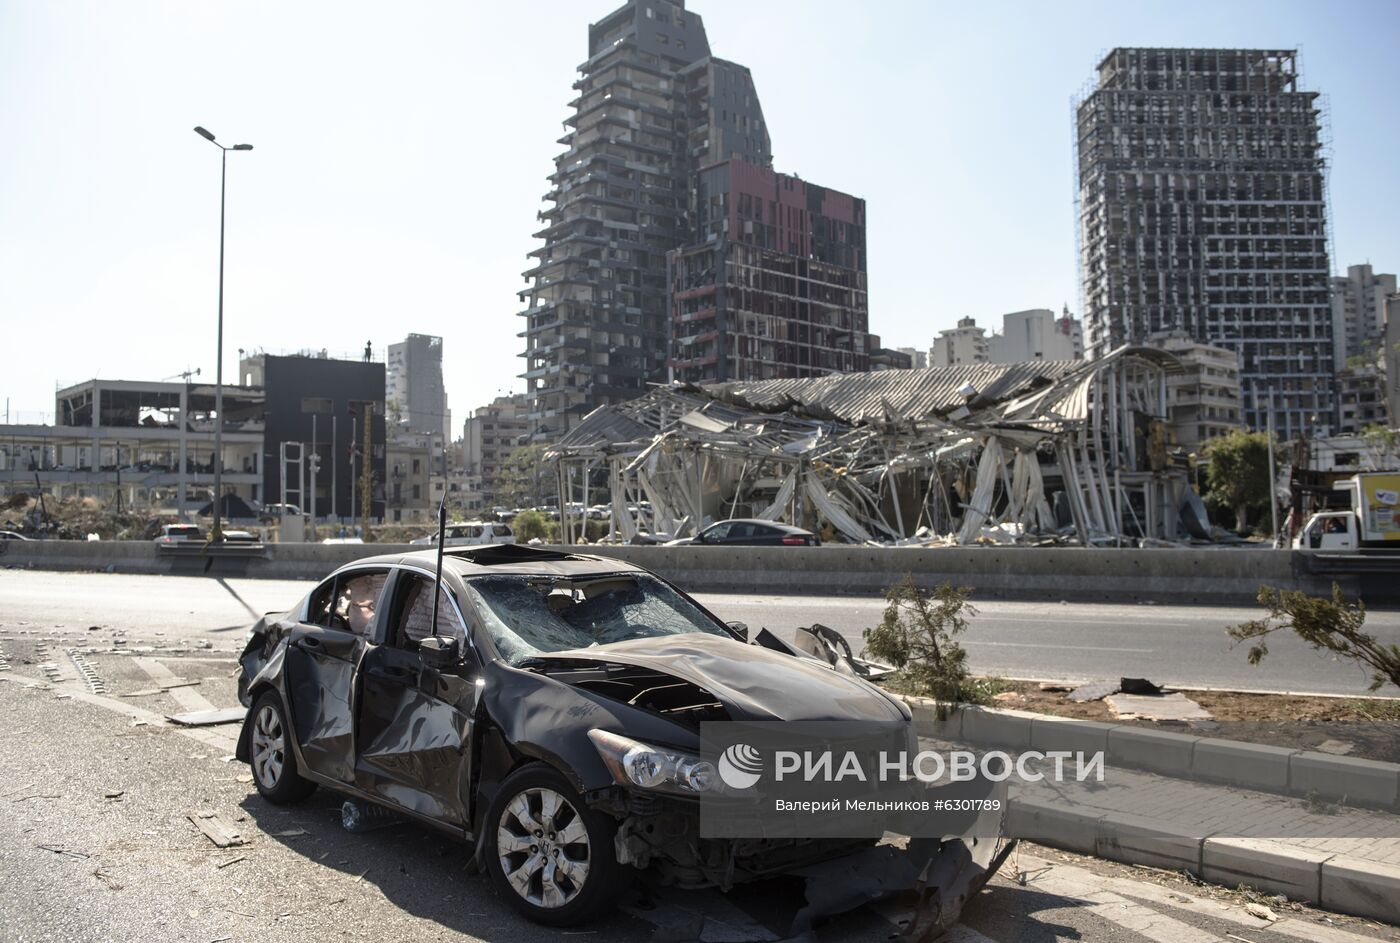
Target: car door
322, 653
414, 722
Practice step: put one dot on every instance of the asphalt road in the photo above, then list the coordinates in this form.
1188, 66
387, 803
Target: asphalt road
1179, 645
96, 843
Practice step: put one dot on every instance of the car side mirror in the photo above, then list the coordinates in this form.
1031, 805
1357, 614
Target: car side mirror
439, 651
740, 629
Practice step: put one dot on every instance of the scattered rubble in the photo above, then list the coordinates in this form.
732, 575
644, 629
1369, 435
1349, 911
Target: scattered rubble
217, 829
1174, 706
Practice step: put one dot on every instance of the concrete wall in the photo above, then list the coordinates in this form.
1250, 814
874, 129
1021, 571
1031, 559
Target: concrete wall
1178, 576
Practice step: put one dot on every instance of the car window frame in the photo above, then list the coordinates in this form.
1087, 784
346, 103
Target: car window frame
335, 581
386, 632
468, 624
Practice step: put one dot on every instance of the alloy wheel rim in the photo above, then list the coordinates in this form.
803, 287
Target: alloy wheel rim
543, 847
269, 747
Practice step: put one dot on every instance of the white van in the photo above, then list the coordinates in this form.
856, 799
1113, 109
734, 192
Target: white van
472, 533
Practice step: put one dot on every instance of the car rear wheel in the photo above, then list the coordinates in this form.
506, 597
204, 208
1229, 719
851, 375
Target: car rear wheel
547, 852
274, 767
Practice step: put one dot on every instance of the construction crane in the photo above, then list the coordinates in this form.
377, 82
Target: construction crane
183, 376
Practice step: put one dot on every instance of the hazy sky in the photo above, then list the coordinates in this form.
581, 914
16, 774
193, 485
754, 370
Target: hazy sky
401, 152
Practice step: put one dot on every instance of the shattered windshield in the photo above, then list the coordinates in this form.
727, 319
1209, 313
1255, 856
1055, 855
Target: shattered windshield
527, 616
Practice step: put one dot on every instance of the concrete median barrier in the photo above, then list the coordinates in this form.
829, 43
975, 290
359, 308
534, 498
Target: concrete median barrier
1206, 576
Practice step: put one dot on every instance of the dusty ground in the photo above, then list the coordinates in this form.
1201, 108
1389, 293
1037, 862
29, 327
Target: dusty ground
1370, 725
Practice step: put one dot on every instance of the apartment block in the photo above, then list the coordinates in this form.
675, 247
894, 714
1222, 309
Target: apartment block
1391, 359
1361, 399
417, 398
489, 436
1204, 401
1359, 312
1035, 334
918, 359
773, 285
1202, 210
667, 179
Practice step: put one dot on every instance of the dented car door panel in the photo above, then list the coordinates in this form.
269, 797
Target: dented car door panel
319, 678
414, 734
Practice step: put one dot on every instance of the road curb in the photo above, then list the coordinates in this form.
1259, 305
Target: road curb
1336, 882
1303, 773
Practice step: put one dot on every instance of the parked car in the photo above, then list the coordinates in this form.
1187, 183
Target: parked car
751, 532
281, 510
514, 721
11, 535
171, 534
471, 533
241, 537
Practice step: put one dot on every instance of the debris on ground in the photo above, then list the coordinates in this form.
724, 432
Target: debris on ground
1174, 706
208, 718
1139, 686
1093, 691
216, 829
1335, 747
1260, 911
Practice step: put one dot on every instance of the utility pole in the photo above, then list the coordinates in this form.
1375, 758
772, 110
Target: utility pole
366, 470
1273, 473
217, 533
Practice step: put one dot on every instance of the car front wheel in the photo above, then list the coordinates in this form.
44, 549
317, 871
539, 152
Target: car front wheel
549, 853
274, 767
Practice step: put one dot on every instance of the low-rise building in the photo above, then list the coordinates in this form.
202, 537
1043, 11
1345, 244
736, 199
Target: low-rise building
964, 344
152, 443
1204, 401
1391, 358
410, 468
490, 434
918, 359
1361, 399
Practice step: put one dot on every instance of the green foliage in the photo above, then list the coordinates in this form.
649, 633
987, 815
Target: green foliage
1238, 473
529, 525
916, 636
1381, 439
1326, 623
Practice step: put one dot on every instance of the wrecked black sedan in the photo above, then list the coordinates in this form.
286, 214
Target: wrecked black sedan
551, 716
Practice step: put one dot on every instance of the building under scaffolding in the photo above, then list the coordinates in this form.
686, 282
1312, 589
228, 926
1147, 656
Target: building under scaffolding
1056, 451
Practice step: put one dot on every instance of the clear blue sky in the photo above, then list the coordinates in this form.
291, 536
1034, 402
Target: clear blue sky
401, 150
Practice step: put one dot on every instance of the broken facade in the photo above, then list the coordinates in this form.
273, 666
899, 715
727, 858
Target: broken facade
774, 285
989, 452
137, 444
668, 149
1202, 208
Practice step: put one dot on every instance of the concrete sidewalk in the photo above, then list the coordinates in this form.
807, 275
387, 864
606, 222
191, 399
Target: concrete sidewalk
1342, 858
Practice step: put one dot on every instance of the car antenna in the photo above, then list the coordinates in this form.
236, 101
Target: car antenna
441, 537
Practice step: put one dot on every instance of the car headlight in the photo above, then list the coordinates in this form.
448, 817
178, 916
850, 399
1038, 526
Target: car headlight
633, 763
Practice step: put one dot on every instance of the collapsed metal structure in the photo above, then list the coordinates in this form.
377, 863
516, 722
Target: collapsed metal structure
1057, 451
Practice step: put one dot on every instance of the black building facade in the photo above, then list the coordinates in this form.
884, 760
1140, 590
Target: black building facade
323, 403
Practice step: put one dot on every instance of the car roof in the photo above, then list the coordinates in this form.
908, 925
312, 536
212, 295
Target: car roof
758, 520
512, 559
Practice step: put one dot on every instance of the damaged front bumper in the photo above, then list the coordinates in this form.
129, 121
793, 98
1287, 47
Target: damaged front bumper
934, 878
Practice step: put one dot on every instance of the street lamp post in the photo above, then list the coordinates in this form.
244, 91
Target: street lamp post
217, 534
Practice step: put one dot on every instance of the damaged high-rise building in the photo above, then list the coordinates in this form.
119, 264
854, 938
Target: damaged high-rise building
1202, 209
655, 120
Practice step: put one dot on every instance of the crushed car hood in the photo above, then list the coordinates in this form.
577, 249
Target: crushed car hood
753, 683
